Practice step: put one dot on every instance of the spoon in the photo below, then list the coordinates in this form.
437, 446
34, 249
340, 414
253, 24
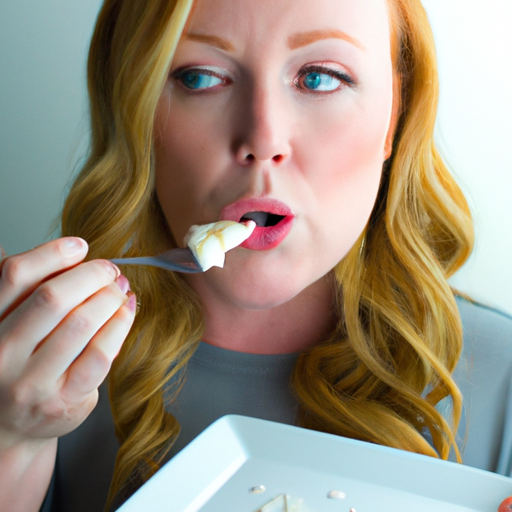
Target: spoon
178, 260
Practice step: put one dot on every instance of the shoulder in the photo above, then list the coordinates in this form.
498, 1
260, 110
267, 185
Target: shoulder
86, 459
485, 328
484, 370
483, 376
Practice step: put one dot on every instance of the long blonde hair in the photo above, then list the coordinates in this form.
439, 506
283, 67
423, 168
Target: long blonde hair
398, 339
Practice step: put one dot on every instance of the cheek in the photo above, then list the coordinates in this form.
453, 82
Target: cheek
354, 134
175, 193
353, 165
184, 170
346, 170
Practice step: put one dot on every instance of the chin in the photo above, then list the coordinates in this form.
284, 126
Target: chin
256, 287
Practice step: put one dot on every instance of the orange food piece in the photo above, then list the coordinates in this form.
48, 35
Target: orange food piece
506, 505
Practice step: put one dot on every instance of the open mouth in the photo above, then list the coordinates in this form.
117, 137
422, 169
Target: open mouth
273, 218
263, 219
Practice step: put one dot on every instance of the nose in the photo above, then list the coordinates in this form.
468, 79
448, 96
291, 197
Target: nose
264, 134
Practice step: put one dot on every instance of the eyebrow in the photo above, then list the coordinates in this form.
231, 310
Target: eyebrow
295, 41
212, 40
304, 38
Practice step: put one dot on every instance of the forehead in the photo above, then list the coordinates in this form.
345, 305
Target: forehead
274, 21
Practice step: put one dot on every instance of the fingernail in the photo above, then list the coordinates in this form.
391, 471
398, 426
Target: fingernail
132, 303
111, 268
72, 246
116, 269
123, 283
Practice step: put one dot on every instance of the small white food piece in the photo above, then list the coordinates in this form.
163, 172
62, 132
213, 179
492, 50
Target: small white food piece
210, 242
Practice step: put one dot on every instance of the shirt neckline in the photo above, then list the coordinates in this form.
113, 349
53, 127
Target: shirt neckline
232, 361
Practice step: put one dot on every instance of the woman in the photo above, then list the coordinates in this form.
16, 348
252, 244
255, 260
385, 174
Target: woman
315, 119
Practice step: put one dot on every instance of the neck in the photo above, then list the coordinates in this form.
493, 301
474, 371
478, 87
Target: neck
294, 326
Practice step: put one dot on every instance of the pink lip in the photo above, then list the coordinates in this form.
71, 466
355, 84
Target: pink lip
262, 239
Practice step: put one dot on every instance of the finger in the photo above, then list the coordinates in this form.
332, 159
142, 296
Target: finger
22, 272
24, 328
67, 341
92, 366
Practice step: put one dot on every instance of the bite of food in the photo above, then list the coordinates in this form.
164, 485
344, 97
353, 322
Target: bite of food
210, 242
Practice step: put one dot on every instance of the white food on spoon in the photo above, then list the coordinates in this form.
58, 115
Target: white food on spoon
210, 242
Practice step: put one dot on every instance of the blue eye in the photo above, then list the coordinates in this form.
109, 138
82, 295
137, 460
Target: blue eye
196, 80
316, 81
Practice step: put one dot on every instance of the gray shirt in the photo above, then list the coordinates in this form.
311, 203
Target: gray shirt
220, 382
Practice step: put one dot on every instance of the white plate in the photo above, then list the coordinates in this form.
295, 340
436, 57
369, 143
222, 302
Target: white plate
216, 472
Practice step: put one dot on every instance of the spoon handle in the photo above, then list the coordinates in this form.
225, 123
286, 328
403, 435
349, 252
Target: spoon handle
178, 260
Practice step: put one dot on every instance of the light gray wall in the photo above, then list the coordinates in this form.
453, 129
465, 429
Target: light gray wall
43, 111
474, 39
43, 121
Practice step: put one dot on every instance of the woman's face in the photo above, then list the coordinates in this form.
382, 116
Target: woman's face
279, 107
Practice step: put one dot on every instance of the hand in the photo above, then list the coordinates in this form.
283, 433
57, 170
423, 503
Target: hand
62, 322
